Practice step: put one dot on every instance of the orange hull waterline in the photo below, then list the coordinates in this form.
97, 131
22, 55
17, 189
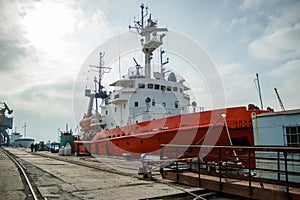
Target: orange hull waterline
146, 110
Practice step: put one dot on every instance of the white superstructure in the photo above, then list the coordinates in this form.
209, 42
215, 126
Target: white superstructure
141, 95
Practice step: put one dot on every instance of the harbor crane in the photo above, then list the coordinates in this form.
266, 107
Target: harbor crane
279, 99
6, 122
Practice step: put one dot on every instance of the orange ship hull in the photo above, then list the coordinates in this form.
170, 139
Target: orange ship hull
196, 128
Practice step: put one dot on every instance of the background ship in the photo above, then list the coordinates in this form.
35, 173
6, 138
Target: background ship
148, 109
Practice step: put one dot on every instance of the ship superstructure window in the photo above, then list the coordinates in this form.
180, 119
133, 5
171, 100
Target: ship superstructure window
141, 85
175, 89
150, 86
164, 104
153, 102
106, 112
169, 88
156, 87
293, 136
163, 87
180, 90
176, 104
136, 104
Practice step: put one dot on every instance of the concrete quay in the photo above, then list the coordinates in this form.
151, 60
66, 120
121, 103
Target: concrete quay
57, 179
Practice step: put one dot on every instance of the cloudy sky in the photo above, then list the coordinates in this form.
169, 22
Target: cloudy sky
43, 45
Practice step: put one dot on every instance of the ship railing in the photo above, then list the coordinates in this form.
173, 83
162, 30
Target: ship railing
193, 109
179, 78
259, 165
134, 72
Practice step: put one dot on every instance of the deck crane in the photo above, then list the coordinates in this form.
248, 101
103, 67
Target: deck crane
279, 99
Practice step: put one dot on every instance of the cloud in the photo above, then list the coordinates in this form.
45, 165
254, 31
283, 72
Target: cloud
249, 4
236, 81
12, 40
44, 100
286, 16
279, 45
286, 78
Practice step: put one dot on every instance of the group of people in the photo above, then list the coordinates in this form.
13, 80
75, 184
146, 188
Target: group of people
34, 147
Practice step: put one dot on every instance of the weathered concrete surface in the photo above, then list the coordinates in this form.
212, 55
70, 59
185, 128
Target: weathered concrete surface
62, 180
11, 185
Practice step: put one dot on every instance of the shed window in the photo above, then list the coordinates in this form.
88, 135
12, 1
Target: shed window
293, 136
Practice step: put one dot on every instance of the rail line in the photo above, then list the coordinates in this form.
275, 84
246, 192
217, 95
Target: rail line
22, 171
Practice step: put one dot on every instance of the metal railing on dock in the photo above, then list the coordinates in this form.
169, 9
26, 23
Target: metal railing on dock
253, 172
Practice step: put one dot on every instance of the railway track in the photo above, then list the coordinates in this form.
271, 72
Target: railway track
30, 191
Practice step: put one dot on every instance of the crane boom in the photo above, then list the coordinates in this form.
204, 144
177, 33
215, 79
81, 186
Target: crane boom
279, 99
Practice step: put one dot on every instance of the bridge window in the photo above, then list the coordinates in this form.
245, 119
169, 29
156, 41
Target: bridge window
141, 85
293, 136
156, 87
169, 88
163, 87
180, 90
176, 104
175, 89
150, 86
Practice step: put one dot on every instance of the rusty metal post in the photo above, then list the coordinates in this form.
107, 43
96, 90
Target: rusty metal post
96, 147
278, 165
286, 174
177, 173
199, 178
161, 155
249, 171
220, 170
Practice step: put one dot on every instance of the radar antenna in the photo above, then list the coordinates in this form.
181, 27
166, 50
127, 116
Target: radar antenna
137, 66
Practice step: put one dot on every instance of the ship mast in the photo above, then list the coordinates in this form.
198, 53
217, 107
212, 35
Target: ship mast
151, 37
101, 70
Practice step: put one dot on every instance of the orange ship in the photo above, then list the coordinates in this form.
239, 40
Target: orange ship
145, 111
